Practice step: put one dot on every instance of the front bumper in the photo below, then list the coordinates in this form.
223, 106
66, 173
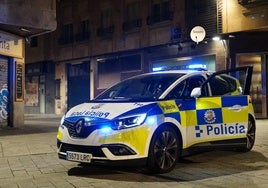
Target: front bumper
105, 154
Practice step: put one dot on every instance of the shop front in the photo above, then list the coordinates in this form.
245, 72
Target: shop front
40, 88
11, 80
259, 85
250, 49
4, 91
207, 62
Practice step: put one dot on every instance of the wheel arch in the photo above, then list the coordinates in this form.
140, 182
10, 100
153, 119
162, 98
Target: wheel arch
152, 166
250, 116
174, 127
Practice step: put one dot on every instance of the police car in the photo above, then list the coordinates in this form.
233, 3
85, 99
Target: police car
154, 119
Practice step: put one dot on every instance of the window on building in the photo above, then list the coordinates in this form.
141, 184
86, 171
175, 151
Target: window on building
110, 71
106, 24
130, 63
106, 18
83, 31
133, 18
133, 11
66, 36
34, 42
206, 62
203, 13
160, 11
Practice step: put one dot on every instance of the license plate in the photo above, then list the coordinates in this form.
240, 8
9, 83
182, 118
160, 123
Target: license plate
80, 157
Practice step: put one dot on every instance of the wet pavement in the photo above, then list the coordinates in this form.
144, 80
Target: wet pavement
28, 159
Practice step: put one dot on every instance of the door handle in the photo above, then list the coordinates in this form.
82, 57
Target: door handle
236, 108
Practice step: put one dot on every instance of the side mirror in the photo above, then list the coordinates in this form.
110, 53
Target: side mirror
196, 92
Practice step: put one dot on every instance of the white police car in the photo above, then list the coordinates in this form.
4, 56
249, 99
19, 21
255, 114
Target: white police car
155, 118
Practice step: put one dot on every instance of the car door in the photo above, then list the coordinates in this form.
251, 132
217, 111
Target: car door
187, 106
222, 107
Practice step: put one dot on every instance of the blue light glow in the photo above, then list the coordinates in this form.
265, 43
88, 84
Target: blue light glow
195, 66
151, 120
157, 69
105, 129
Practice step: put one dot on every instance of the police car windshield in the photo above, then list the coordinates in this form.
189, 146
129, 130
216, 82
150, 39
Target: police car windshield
142, 88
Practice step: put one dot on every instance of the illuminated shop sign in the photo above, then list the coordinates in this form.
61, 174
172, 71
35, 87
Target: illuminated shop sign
4, 45
11, 45
19, 81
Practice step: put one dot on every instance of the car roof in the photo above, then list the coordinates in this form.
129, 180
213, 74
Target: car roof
183, 71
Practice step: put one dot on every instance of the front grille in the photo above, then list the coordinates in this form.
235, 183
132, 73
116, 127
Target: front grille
84, 131
94, 150
70, 127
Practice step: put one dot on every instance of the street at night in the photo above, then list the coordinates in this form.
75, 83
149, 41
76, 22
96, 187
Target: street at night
29, 159
84, 83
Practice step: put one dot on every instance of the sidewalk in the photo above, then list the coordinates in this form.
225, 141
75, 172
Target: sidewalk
34, 123
37, 135
28, 159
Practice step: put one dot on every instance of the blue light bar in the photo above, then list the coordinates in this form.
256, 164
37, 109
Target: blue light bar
197, 66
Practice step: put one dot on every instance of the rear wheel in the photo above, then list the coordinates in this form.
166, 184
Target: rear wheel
164, 151
251, 134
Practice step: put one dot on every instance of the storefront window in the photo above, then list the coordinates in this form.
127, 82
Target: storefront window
110, 70
31, 91
202, 62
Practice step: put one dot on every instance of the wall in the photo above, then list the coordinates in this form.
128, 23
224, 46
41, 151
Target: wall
38, 14
237, 17
61, 104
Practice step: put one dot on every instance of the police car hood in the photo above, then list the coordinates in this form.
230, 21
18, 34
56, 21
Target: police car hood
97, 111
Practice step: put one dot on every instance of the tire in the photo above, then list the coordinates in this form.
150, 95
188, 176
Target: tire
251, 134
164, 151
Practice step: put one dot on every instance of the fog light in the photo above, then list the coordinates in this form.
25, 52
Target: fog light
119, 150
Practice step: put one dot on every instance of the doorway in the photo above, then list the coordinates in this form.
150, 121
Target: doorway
258, 84
42, 98
78, 83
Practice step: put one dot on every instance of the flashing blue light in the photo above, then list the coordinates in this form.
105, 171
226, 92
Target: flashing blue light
197, 66
157, 69
105, 129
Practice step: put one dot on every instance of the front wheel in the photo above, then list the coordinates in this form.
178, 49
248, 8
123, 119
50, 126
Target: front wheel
164, 151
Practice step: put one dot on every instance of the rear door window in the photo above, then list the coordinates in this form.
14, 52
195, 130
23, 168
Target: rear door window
222, 85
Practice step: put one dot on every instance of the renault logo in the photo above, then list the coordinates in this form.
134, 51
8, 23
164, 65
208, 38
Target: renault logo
79, 125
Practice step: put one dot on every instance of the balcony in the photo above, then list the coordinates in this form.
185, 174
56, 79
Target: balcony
157, 18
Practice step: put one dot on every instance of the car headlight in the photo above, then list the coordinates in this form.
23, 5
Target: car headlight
128, 121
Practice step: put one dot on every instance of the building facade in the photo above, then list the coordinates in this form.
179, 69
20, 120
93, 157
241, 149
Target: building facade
99, 43
34, 18
11, 79
246, 23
